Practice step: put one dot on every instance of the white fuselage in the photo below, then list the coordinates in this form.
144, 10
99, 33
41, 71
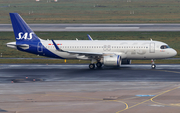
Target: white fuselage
127, 49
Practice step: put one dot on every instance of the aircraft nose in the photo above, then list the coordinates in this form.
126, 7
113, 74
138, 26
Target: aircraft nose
173, 52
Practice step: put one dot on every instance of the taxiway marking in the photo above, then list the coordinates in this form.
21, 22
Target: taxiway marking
162, 94
151, 99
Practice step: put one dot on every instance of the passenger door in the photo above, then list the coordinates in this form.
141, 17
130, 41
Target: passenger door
152, 47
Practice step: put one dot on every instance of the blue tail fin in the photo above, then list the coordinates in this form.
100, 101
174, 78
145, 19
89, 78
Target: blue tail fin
22, 31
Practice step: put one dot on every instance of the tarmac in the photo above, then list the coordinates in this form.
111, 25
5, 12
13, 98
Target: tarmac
73, 88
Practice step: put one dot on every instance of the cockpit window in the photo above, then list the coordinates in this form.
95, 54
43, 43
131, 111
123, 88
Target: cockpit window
164, 47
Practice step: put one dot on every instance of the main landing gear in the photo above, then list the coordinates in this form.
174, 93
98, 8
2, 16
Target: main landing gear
99, 64
153, 65
92, 65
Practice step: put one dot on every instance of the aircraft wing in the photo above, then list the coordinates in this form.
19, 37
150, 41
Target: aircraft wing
78, 52
85, 53
81, 54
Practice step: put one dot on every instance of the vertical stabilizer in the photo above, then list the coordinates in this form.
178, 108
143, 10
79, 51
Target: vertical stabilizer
22, 31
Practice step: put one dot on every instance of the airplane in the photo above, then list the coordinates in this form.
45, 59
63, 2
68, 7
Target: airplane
99, 52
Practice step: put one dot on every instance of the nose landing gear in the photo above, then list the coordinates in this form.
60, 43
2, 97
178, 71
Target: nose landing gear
153, 65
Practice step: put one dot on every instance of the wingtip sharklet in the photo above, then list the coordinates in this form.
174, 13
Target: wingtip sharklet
90, 38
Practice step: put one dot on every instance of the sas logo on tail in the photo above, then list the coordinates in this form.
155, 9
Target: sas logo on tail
25, 36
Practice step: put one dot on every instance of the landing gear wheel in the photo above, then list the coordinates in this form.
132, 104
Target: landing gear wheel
99, 64
91, 66
153, 66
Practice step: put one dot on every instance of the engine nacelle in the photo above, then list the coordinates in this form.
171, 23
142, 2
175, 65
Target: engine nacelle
114, 60
125, 61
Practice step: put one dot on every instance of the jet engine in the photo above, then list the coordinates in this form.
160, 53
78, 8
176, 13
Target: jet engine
114, 60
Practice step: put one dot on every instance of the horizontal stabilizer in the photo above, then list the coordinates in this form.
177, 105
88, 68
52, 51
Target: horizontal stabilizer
14, 45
